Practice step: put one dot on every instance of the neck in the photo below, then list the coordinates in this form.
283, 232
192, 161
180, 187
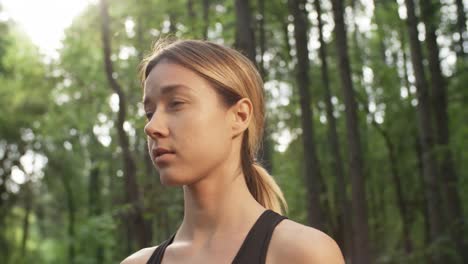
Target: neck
218, 205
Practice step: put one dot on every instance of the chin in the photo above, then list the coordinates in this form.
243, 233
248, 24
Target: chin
170, 179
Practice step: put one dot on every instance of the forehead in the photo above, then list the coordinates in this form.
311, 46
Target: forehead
167, 77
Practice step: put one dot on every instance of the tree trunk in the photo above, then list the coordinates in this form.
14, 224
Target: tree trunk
378, 5
356, 164
132, 196
446, 164
206, 18
311, 169
461, 24
245, 42
425, 132
94, 202
423, 202
261, 34
71, 217
245, 35
192, 16
28, 205
392, 153
343, 204
172, 23
358, 50
267, 145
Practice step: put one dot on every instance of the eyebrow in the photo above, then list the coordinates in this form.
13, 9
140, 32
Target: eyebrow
168, 89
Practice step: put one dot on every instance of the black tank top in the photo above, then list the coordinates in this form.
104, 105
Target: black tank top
253, 249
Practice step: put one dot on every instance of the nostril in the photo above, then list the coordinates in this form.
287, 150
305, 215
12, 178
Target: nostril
155, 129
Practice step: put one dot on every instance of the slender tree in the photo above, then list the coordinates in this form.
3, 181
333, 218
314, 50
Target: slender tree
356, 164
192, 15
389, 143
343, 204
137, 224
261, 36
425, 131
461, 25
446, 165
94, 194
28, 199
311, 163
267, 143
245, 34
245, 42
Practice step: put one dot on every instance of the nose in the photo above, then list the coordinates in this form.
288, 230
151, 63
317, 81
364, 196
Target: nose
157, 126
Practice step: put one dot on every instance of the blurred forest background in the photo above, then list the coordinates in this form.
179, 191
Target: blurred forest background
367, 126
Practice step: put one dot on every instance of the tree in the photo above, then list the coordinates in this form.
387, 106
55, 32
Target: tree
461, 26
356, 164
245, 42
245, 36
343, 204
312, 172
446, 165
425, 131
135, 219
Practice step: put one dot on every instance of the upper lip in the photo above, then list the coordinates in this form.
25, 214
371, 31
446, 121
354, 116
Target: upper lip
160, 151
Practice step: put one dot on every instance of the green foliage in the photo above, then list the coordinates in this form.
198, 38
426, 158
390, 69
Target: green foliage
64, 112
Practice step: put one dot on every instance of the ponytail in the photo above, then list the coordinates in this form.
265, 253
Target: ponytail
261, 184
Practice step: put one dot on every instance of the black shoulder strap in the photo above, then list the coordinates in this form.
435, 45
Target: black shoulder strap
255, 246
158, 253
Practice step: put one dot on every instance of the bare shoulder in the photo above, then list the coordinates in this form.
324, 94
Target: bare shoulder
296, 243
139, 257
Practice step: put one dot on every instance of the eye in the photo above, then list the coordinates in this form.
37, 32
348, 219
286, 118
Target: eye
176, 103
149, 115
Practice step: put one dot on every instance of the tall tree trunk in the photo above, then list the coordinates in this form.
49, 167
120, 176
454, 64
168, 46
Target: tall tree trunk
28, 205
261, 36
172, 23
132, 196
356, 164
192, 16
343, 204
267, 145
206, 18
425, 132
311, 163
392, 153
423, 201
358, 50
94, 203
378, 5
71, 217
245, 36
446, 164
245, 42
461, 24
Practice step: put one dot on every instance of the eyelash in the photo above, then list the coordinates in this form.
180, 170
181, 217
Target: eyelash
149, 115
176, 103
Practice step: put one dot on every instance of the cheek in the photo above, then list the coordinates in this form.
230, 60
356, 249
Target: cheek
202, 137
149, 143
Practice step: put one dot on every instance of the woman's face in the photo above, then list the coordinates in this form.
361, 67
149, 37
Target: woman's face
187, 123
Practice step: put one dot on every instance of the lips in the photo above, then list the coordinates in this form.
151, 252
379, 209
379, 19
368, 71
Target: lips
159, 151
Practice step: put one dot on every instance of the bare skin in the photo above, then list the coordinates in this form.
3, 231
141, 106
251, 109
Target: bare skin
219, 210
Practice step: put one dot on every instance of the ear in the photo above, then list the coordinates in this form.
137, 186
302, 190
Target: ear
241, 113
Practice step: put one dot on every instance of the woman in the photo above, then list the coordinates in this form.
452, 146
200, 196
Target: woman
205, 109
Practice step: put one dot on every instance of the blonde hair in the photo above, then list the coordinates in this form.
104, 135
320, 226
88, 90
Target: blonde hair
234, 77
